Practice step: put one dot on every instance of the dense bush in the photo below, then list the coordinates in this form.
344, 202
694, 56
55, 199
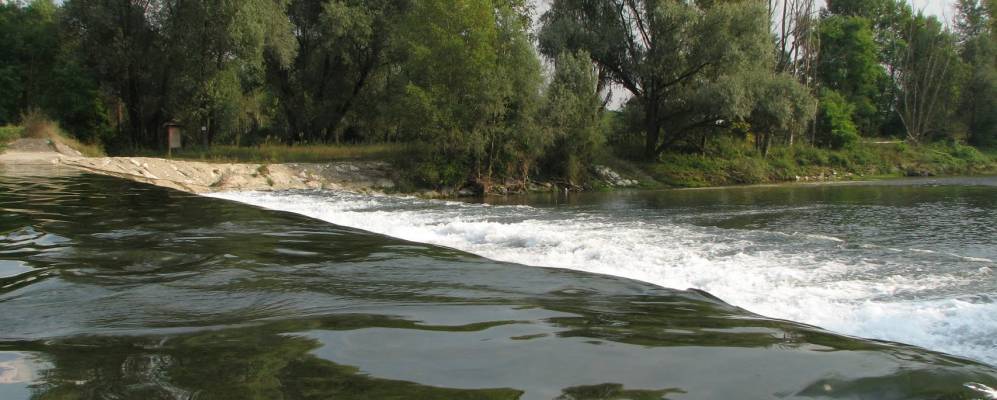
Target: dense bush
834, 120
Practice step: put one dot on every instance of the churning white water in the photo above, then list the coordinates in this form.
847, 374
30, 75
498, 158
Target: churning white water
797, 266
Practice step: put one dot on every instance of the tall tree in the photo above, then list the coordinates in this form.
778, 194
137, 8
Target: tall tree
849, 64
889, 22
342, 46
978, 49
683, 62
169, 59
782, 108
573, 109
121, 42
927, 79
472, 80
794, 24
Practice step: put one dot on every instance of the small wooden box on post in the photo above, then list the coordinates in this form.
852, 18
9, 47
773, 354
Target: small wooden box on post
172, 137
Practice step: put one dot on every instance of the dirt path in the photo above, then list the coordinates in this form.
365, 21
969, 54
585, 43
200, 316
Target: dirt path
36, 151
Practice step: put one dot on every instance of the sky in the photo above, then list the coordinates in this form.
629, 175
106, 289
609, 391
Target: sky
941, 8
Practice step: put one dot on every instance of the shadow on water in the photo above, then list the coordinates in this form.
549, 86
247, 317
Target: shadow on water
111, 289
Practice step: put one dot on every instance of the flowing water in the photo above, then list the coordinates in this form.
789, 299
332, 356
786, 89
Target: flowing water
909, 261
117, 290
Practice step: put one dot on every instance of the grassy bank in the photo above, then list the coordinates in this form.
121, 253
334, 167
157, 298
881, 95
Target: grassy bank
287, 154
737, 163
38, 126
8, 134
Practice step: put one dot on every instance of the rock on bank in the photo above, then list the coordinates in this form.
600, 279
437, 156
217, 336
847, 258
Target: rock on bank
201, 177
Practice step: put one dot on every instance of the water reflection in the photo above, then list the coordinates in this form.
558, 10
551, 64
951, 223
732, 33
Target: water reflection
110, 289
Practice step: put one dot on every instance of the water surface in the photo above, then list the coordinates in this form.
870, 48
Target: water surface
909, 261
113, 289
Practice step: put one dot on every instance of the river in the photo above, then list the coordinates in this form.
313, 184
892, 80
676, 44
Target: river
114, 289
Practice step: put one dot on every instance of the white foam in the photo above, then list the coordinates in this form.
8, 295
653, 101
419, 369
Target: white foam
799, 285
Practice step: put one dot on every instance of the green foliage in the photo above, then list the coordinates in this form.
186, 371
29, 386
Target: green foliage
849, 64
928, 74
459, 88
834, 120
344, 54
783, 107
9, 133
572, 111
472, 85
39, 69
730, 161
687, 65
978, 50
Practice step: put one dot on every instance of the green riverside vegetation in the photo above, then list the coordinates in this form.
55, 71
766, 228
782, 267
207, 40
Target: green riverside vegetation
476, 93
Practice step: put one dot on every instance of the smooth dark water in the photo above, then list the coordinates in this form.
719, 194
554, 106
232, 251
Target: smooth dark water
116, 290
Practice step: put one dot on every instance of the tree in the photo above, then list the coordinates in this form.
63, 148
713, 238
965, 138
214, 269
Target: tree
683, 62
927, 78
978, 50
216, 50
471, 83
169, 59
342, 47
888, 20
573, 110
783, 107
795, 23
40, 70
834, 120
849, 65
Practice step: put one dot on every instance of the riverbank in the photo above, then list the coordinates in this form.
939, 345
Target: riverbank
737, 164
367, 169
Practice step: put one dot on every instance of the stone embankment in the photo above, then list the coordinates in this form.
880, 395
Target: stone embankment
201, 177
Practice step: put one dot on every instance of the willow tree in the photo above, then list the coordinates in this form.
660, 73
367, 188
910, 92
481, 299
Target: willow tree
683, 62
927, 78
572, 110
783, 107
216, 51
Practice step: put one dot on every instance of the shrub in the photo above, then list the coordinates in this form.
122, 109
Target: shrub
967, 153
9, 133
834, 120
811, 156
747, 171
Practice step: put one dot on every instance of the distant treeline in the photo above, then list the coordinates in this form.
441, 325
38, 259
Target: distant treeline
478, 92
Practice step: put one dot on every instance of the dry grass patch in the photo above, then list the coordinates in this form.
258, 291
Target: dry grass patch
37, 125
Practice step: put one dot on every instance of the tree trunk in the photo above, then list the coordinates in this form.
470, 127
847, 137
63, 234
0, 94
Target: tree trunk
653, 127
